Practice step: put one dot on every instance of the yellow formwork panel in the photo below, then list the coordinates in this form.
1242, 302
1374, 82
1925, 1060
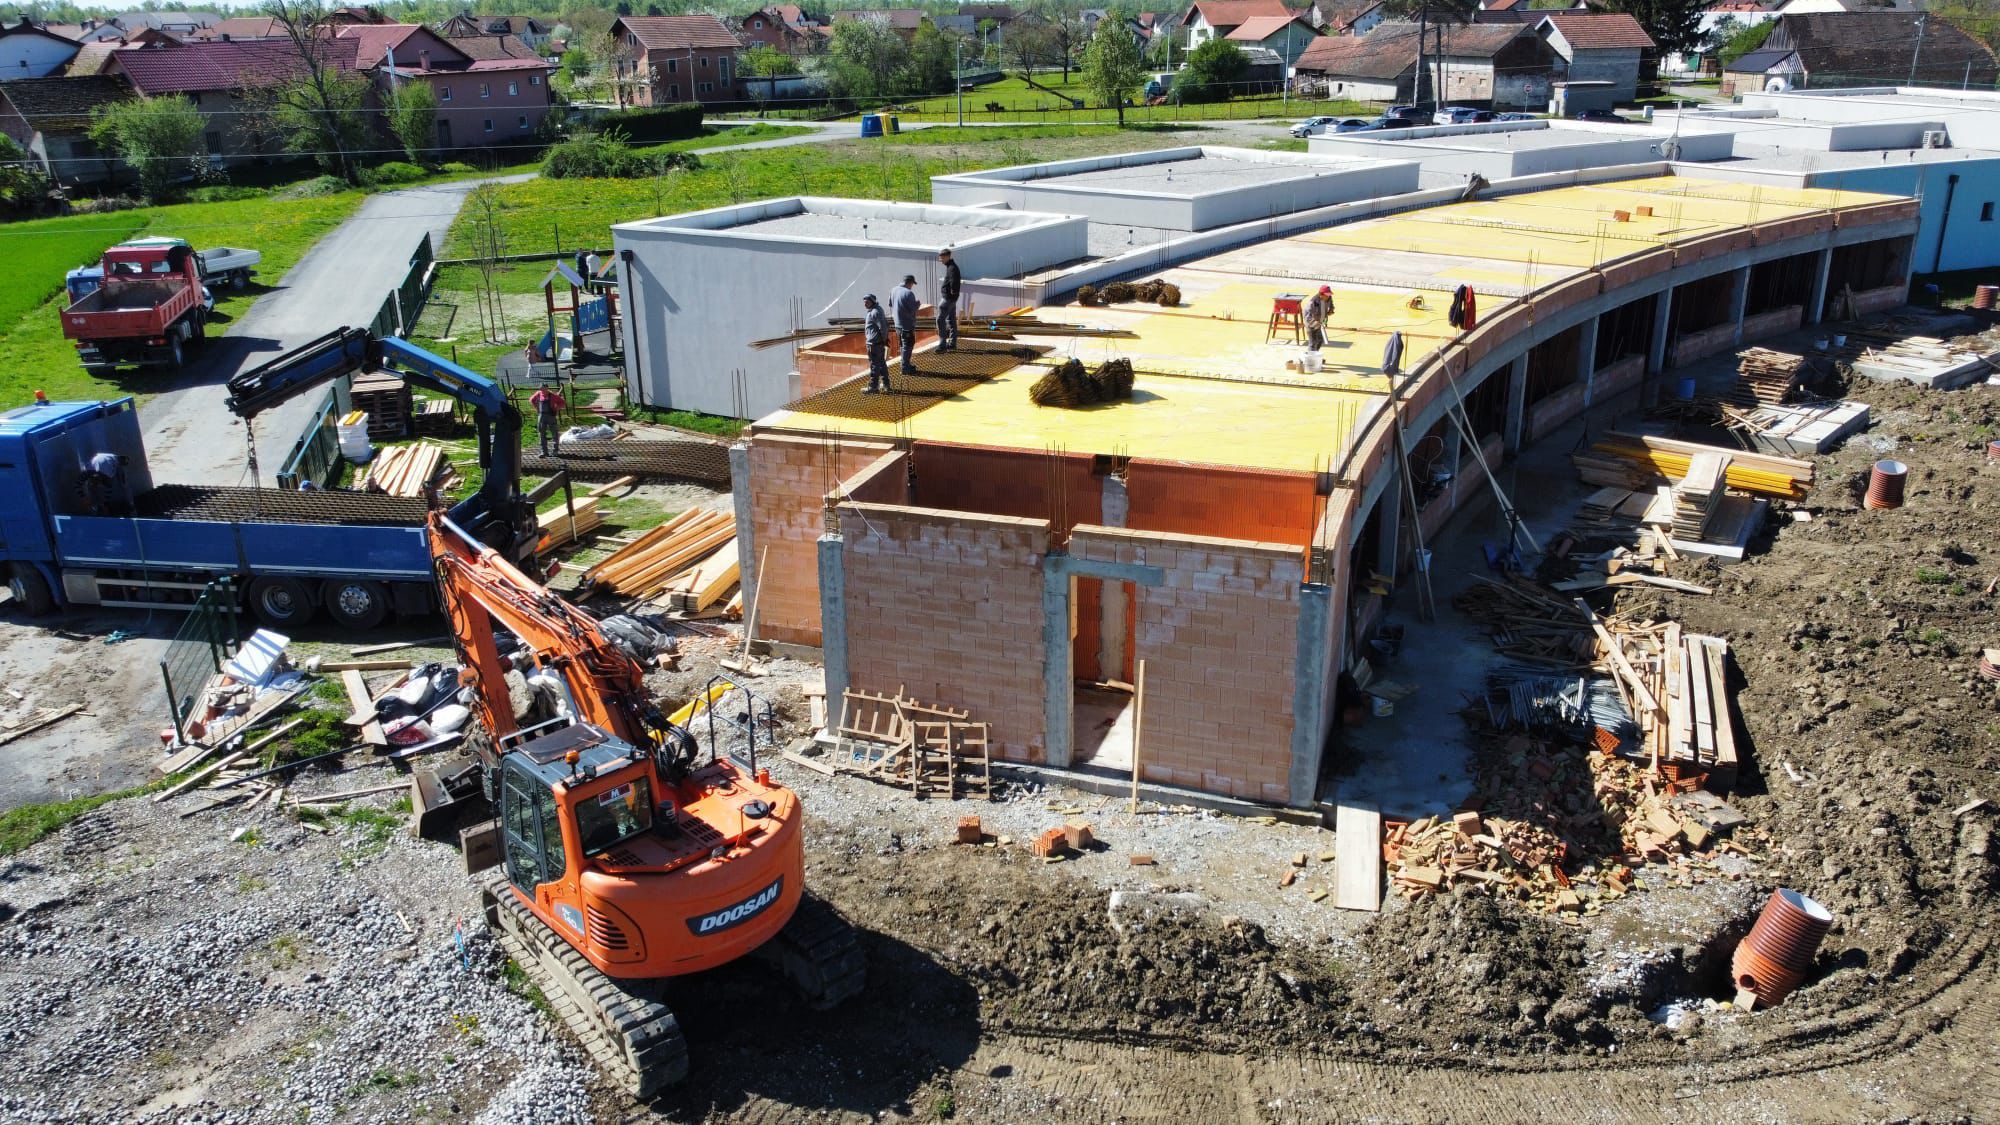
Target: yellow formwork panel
1593, 224
1418, 236
1172, 419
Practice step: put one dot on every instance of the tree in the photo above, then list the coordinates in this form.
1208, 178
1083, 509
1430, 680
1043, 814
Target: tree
1675, 25
1066, 32
864, 58
769, 62
413, 119
1212, 71
161, 138
1112, 68
1734, 39
321, 109
1026, 42
933, 66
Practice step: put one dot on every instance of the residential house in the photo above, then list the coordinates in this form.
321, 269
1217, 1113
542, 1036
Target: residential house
529, 30
223, 78
903, 21
1882, 49
1215, 19
478, 47
1599, 47
482, 102
29, 50
1506, 66
666, 59
1520, 12
51, 119
1287, 36
1346, 17
1809, 7
785, 27
243, 27
180, 25
1761, 70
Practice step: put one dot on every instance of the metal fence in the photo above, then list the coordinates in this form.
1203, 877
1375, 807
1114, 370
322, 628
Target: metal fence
405, 303
205, 641
315, 456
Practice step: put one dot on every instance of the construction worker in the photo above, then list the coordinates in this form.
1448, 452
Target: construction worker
591, 264
947, 305
875, 330
103, 484
903, 299
549, 405
1317, 310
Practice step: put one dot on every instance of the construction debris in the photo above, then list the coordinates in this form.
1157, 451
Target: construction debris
899, 740
646, 567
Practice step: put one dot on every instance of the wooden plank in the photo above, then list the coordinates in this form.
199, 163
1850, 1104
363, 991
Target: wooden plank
1358, 857
391, 646
799, 759
37, 721
344, 666
1138, 726
364, 708
1618, 661
1726, 761
1704, 714
351, 794
621, 482
195, 779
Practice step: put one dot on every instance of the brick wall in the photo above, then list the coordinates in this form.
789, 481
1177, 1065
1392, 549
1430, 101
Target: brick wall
947, 606
1875, 300
1691, 346
1004, 482
1220, 641
1765, 325
1265, 507
788, 482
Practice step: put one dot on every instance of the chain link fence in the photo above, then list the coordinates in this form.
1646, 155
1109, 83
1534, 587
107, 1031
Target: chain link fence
206, 640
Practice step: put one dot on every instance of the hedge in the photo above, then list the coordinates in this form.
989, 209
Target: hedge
654, 126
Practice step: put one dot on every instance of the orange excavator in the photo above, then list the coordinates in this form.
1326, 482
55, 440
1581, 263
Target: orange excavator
624, 858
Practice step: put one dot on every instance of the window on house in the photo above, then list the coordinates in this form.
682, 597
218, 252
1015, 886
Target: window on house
534, 79
704, 62
631, 39
444, 93
485, 89
513, 88
1985, 211
708, 87
489, 124
215, 146
674, 92
757, 24
673, 66
724, 64
523, 122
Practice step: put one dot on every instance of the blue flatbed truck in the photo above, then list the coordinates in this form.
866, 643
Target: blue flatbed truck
69, 537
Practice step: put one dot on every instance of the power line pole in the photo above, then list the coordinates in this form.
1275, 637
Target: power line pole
1918, 49
958, 77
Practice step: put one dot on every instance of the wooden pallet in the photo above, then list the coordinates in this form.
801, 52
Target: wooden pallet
386, 399
903, 742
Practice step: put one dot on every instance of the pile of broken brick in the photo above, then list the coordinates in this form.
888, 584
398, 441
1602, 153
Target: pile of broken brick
1565, 827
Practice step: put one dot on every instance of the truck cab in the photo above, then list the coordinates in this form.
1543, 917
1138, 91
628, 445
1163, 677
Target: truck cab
149, 304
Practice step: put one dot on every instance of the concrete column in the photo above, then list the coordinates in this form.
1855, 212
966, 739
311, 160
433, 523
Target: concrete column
1112, 609
1656, 349
833, 622
1311, 692
1586, 355
746, 535
1058, 692
1822, 270
1517, 403
1739, 301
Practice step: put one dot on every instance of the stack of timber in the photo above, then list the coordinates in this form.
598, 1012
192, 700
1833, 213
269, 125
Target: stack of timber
1802, 429
1676, 684
1768, 376
1642, 463
1525, 621
645, 567
1924, 360
1696, 496
700, 586
560, 527
406, 470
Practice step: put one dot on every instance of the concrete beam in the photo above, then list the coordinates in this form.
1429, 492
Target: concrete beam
1517, 403
1822, 269
1586, 356
833, 622
1309, 692
1058, 690
746, 532
1656, 347
1739, 301
1112, 608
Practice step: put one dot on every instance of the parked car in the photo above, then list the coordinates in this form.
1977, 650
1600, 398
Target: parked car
1600, 115
1351, 125
1312, 125
1514, 117
1395, 121
1460, 115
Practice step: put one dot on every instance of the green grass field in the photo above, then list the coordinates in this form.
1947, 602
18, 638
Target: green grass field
33, 353
1021, 102
714, 137
529, 213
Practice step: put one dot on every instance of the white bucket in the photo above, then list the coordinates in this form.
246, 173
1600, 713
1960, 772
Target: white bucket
354, 442
1311, 361
1383, 708
1423, 560
1840, 341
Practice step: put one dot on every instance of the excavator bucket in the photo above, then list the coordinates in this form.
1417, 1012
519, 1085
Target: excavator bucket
439, 794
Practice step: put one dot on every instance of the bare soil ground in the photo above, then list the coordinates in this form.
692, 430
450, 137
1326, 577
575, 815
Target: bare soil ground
153, 965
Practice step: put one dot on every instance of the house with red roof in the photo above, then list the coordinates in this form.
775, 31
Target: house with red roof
1599, 47
662, 60
496, 97
784, 26
1215, 19
1287, 36
221, 77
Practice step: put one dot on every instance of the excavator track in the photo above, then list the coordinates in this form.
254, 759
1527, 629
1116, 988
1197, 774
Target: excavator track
818, 953
630, 1034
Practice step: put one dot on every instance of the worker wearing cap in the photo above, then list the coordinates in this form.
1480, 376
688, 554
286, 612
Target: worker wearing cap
903, 299
548, 404
947, 306
875, 330
1317, 310
104, 484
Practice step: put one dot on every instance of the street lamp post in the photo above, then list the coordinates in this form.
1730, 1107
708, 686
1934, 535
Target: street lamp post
958, 77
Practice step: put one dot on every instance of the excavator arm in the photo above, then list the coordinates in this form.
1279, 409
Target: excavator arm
496, 513
481, 589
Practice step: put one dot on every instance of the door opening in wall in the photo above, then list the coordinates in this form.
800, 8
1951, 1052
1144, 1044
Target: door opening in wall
1101, 708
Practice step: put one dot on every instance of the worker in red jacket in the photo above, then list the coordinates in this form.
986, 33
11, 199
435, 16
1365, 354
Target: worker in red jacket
549, 405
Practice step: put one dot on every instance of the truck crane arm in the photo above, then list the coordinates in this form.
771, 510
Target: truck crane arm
497, 513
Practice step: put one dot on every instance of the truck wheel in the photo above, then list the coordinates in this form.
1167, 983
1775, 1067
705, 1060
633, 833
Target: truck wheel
31, 591
239, 279
281, 602
355, 603
177, 353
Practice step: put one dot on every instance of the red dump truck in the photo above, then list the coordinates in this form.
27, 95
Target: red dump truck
148, 309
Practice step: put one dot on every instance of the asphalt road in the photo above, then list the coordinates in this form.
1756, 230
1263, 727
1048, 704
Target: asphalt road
190, 433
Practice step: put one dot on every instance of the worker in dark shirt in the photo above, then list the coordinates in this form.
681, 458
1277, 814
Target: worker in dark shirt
875, 331
947, 306
903, 301
548, 404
